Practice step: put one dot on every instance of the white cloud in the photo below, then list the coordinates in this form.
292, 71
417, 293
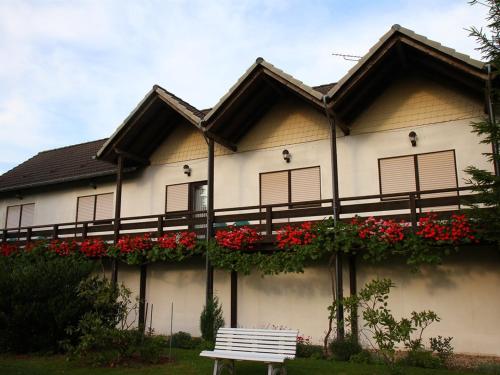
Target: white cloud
72, 71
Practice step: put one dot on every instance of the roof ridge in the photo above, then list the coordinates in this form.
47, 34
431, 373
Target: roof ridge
181, 101
68, 146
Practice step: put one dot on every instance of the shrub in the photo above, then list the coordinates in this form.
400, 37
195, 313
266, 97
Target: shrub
39, 299
343, 350
183, 340
488, 368
442, 347
363, 357
422, 358
211, 320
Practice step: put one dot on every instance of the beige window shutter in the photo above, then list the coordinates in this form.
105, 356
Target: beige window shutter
397, 175
274, 188
27, 215
104, 206
85, 208
177, 198
306, 184
13, 215
437, 171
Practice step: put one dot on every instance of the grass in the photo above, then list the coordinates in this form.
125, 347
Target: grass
188, 362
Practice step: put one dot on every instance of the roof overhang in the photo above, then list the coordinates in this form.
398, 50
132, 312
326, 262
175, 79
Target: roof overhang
154, 118
254, 93
397, 53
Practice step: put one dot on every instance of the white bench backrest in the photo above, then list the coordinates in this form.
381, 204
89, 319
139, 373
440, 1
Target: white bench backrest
263, 341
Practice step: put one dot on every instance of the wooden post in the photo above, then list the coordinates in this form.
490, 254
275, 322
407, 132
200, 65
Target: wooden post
269, 221
29, 232
116, 223
159, 229
142, 297
413, 213
353, 291
234, 299
4, 235
85, 229
210, 218
55, 231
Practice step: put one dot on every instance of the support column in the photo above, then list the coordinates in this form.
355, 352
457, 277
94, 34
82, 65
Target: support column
234, 299
210, 218
142, 297
339, 293
118, 206
353, 291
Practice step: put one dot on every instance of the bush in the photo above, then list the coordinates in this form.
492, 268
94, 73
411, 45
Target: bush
363, 357
488, 368
38, 300
422, 358
211, 320
309, 351
183, 340
343, 350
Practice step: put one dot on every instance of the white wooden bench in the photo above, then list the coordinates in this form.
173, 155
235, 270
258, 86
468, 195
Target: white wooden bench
271, 346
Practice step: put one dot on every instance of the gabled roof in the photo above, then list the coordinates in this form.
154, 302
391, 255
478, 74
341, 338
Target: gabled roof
254, 92
149, 123
70, 163
397, 52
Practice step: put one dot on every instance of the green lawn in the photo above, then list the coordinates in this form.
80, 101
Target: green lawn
188, 362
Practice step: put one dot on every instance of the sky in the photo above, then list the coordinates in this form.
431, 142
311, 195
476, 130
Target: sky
71, 71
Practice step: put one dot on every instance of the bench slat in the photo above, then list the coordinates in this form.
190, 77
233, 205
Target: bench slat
244, 356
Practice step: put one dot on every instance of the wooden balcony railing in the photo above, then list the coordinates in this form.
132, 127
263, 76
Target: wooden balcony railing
265, 219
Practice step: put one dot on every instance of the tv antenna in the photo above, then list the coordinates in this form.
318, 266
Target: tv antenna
347, 57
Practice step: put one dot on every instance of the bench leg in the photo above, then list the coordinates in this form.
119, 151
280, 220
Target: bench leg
220, 365
280, 370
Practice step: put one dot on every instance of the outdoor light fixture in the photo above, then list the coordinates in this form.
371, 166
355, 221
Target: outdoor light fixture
187, 170
413, 138
286, 156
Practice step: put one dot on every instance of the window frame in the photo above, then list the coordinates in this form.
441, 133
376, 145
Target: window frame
289, 204
191, 186
95, 207
416, 172
21, 206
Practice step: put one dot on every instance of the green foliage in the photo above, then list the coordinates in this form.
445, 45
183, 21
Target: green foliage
385, 333
442, 347
488, 368
421, 358
364, 356
211, 319
307, 350
484, 182
39, 299
184, 340
344, 349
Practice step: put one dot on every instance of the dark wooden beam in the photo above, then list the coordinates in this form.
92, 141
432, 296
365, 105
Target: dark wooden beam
130, 156
353, 291
116, 222
234, 299
210, 219
142, 297
222, 141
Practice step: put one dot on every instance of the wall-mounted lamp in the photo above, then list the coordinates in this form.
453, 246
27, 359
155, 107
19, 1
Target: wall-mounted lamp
187, 170
413, 138
286, 156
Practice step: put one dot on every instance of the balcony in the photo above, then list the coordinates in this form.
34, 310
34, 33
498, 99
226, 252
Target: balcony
265, 219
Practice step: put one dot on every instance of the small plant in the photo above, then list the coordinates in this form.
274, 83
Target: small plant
442, 347
422, 358
363, 357
344, 349
183, 340
305, 348
211, 320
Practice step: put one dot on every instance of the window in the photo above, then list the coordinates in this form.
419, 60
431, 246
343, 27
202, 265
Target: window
20, 215
186, 197
420, 172
291, 186
94, 207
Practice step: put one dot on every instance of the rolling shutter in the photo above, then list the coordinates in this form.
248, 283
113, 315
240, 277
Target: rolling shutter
437, 171
27, 215
397, 175
274, 188
85, 208
13, 216
104, 206
177, 198
306, 184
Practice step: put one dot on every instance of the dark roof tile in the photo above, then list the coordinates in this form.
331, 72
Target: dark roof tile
58, 165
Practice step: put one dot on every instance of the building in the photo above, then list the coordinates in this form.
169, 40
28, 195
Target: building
402, 119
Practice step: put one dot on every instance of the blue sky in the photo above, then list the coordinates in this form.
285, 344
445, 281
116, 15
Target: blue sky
71, 71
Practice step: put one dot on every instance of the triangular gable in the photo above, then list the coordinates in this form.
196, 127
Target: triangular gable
149, 123
398, 49
250, 97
